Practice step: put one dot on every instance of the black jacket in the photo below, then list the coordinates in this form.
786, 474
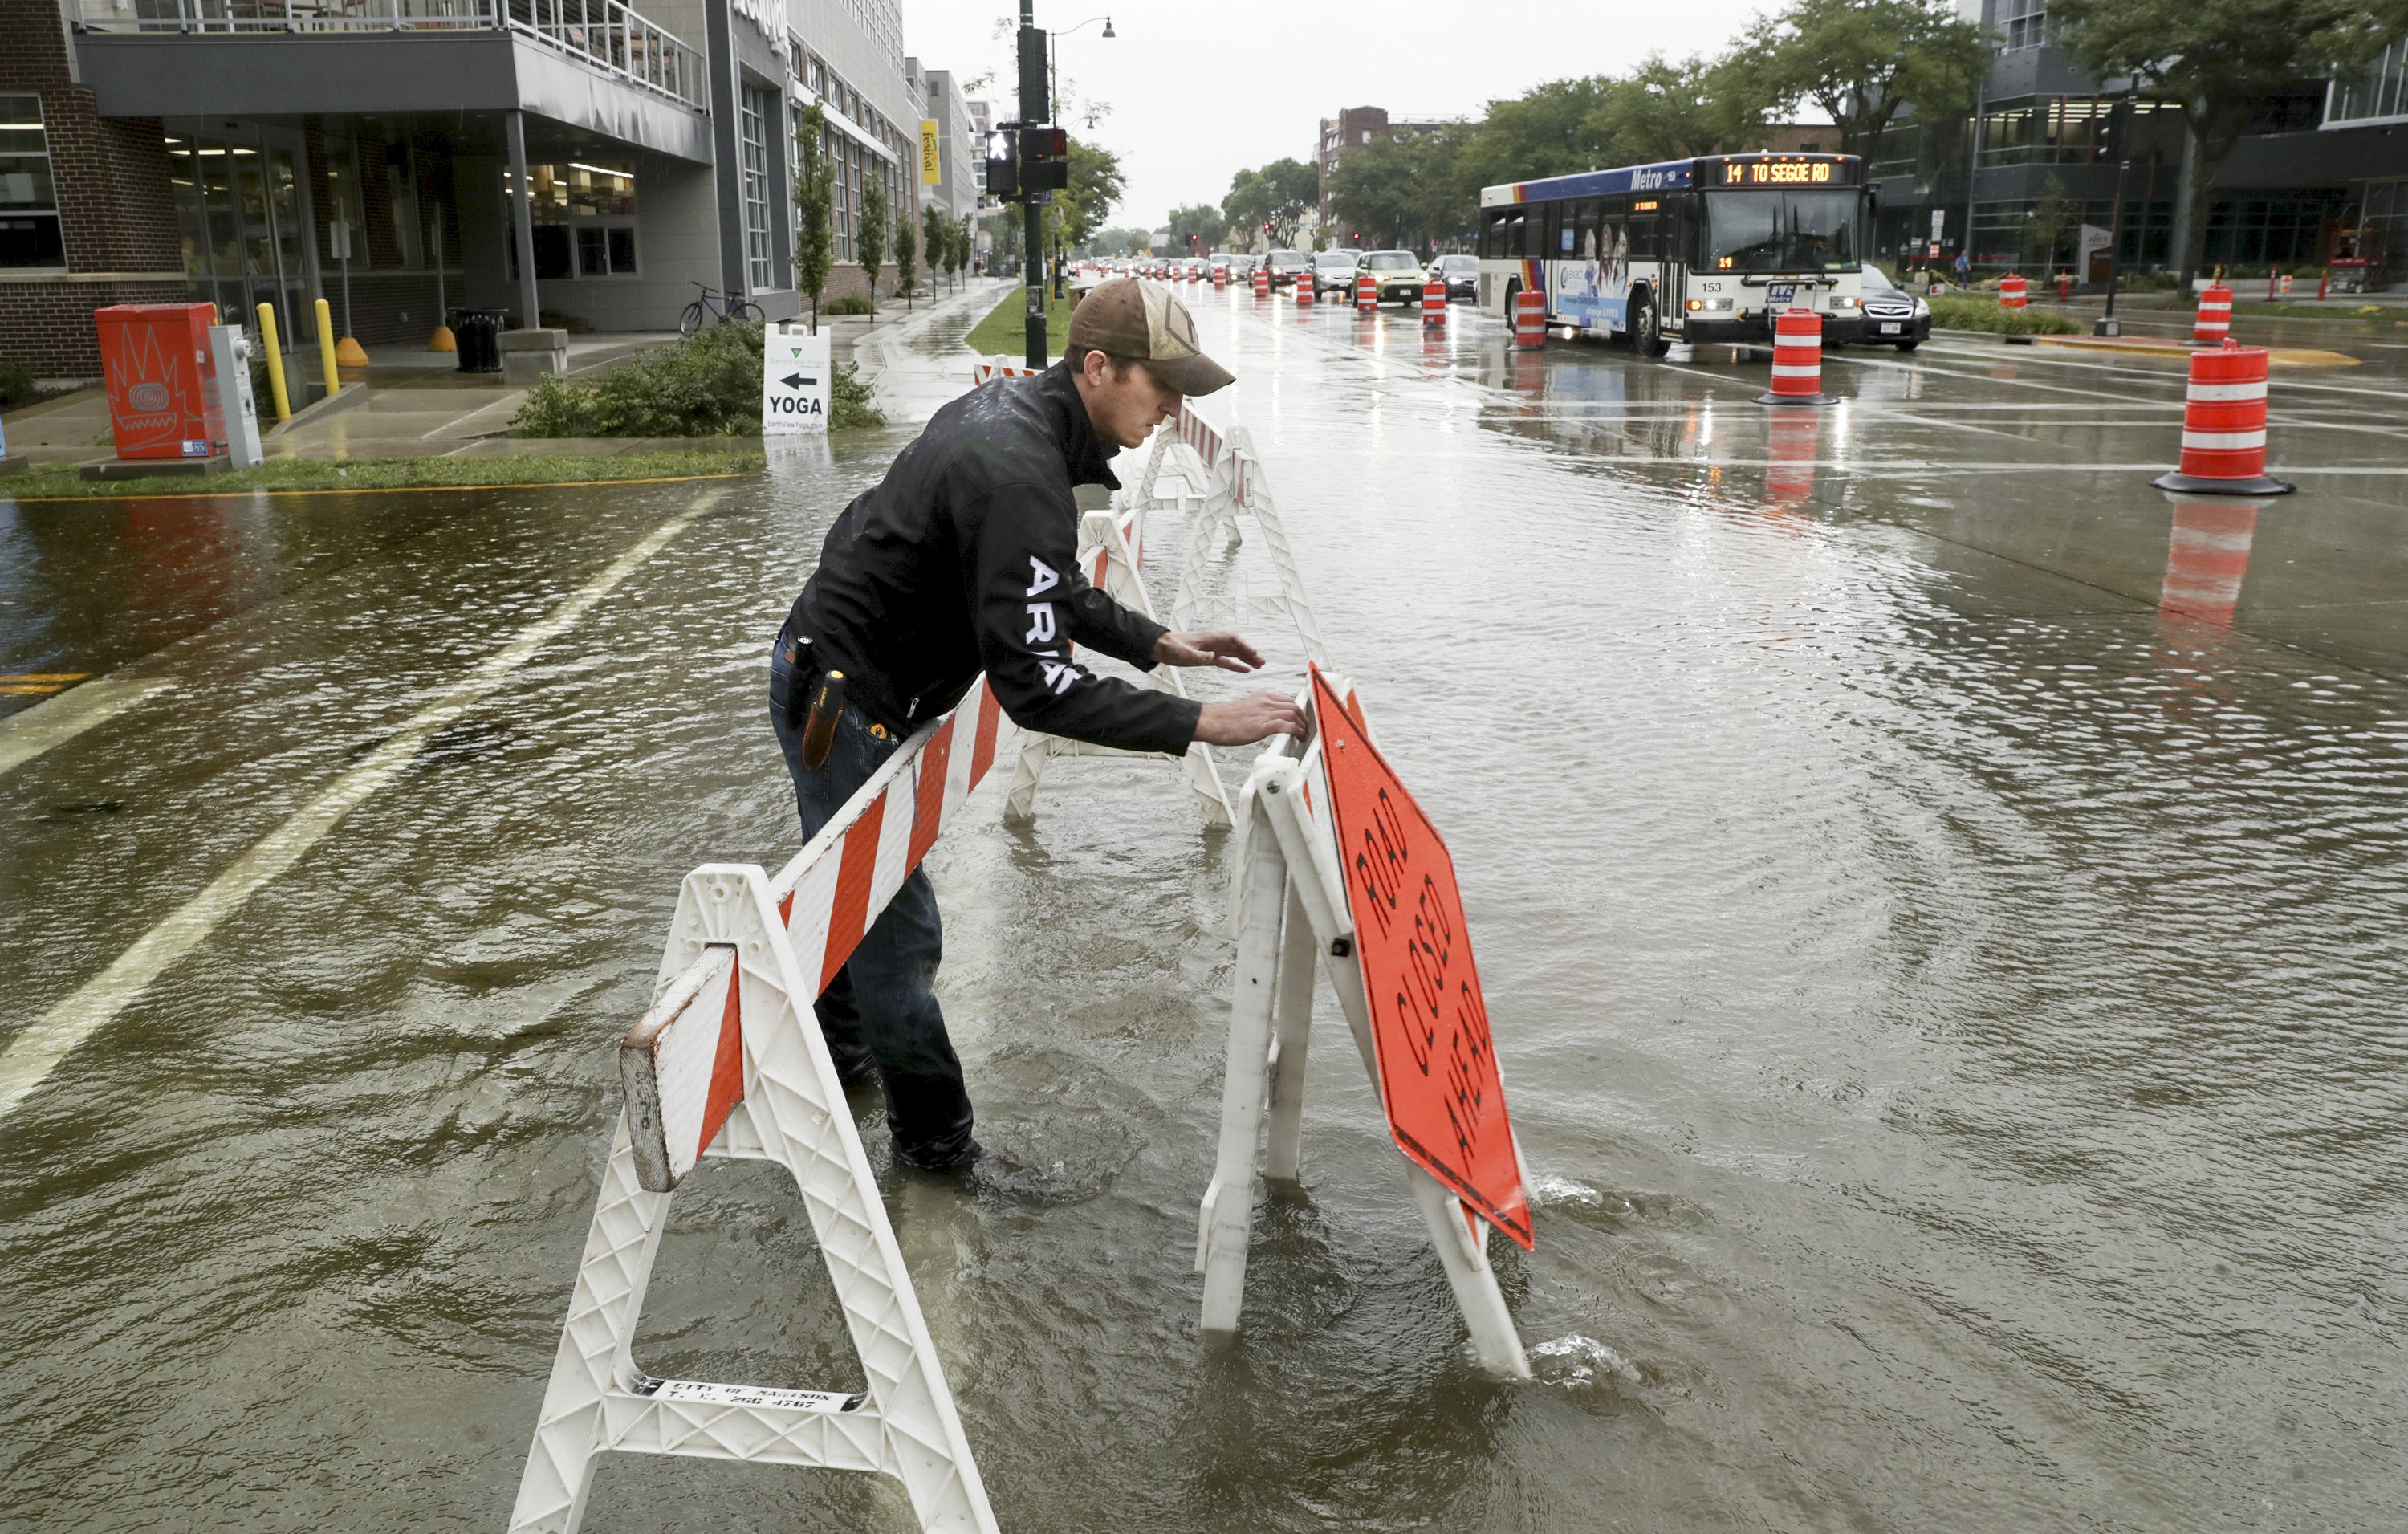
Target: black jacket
964, 559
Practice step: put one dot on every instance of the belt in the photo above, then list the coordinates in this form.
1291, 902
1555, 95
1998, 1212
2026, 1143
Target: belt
804, 669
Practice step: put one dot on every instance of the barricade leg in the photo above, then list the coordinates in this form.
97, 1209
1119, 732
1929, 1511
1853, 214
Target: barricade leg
792, 1111
1291, 1041
1226, 1222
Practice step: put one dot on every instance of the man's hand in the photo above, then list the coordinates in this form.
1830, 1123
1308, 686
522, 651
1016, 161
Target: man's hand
1242, 721
1217, 647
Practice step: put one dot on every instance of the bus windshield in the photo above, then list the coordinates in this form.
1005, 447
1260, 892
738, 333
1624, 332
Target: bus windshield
1783, 231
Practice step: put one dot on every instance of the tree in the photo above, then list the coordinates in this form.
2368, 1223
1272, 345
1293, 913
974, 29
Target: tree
814, 189
2217, 62
963, 245
933, 224
2053, 213
1405, 191
1273, 198
1550, 130
1862, 60
1663, 110
907, 254
1201, 220
869, 236
1097, 181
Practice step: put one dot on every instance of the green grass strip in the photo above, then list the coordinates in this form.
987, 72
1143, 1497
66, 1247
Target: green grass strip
1950, 311
287, 477
1005, 331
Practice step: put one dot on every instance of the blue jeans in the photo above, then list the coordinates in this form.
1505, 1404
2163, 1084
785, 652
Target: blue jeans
880, 1013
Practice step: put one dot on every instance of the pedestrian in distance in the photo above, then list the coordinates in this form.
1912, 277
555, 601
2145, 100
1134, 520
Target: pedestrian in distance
962, 561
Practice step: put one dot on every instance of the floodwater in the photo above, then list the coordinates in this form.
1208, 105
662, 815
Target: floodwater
1941, 902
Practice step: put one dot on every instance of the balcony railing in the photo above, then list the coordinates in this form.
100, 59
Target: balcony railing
605, 34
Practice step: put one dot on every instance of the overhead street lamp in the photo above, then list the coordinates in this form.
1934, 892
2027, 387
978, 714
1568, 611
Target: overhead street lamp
1053, 114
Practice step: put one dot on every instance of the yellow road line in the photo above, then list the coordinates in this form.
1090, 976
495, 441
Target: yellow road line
20, 689
388, 490
44, 675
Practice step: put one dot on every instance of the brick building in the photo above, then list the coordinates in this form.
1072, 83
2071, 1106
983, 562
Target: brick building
400, 158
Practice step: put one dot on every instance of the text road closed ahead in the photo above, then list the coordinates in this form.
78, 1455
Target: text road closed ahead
794, 382
1429, 1025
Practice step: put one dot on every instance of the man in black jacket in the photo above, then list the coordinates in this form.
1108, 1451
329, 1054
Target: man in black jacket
964, 561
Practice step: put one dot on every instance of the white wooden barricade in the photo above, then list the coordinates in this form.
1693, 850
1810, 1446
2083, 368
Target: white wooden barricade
999, 368
729, 1063
1292, 912
1112, 549
1210, 478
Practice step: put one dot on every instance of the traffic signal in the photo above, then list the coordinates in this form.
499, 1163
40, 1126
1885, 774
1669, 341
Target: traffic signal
1002, 165
1044, 159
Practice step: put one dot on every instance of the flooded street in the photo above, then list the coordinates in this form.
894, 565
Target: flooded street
1941, 902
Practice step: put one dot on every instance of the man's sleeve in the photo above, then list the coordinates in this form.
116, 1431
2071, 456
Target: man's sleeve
1023, 578
1100, 622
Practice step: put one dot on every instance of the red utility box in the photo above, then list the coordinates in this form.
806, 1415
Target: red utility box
156, 359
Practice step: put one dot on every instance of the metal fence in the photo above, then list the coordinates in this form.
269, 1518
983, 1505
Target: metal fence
605, 34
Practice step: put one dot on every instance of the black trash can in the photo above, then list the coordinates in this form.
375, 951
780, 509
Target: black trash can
477, 334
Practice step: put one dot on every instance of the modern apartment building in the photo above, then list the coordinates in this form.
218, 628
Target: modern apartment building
2324, 169
960, 155
577, 160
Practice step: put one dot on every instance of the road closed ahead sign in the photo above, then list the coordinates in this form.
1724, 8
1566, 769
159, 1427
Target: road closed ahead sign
1430, 1023
794, 382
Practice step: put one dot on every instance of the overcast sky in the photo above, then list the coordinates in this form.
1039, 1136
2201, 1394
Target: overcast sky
1199, 91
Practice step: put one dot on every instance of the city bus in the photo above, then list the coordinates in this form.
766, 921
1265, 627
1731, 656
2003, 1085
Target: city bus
1699, 250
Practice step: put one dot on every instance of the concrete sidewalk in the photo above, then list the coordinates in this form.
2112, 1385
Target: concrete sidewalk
411, 403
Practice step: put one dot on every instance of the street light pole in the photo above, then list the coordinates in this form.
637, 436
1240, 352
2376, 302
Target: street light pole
1054, 110
1034, 100
2107, 325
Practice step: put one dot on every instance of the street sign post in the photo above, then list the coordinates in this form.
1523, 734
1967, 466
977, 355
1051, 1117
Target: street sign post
794, 382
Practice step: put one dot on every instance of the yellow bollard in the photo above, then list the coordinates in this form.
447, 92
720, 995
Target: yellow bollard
327, 350
275, 362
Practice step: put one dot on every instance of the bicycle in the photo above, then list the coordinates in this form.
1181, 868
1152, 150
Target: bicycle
720, 307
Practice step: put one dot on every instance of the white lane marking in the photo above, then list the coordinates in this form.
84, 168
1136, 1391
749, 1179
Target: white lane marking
39, 1048
58, 720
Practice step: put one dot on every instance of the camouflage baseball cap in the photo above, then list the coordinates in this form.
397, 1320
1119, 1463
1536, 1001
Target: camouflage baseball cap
1129, 317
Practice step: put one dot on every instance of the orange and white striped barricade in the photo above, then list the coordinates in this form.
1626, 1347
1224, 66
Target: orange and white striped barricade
1262, 282
1433, 303
1529, 319
999, 368
729, 1064
2207, 557
1797, 359
2013, 292
2215, 321
1340, 872
1367, 294
1304, 288
2223, 426
1112, 552
1220, 274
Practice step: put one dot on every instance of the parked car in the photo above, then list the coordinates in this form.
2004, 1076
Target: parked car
1284, 265
1461, 275
1892, 315
1334, 272
1399, 275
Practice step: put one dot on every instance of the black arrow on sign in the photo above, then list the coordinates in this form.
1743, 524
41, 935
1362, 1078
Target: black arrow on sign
796, 380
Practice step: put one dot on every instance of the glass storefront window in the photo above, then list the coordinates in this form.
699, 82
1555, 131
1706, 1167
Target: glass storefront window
30, 232
585, 218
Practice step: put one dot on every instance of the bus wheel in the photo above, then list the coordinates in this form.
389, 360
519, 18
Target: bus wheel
1646, 336
1512, 291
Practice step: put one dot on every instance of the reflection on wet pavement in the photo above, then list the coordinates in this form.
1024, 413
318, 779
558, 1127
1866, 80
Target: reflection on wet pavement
1940, 898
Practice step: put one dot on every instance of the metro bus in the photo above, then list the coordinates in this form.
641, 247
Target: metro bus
1699, 250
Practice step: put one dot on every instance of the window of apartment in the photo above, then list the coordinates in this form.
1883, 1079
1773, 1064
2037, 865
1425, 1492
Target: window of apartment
30, 235
2022, 25
756, 109
585, 218
2380, 91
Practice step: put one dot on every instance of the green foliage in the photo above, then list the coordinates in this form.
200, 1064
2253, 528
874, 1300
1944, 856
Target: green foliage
1278, 195
849, 302
2216, 61
907, 256
1965, 311
869, 235
1123, 240
1861, 60
2053, 214
709, 385
933, 224
1405, 193
1005, 330
351, 475
1201, 220
17, 385
1096, 182
814, 201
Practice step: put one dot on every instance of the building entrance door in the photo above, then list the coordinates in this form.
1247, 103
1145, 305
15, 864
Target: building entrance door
242, 204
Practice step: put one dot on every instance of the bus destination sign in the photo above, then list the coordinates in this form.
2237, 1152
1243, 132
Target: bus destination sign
1784, 170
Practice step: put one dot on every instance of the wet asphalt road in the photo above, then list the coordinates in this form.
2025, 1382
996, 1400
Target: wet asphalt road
1941, 902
